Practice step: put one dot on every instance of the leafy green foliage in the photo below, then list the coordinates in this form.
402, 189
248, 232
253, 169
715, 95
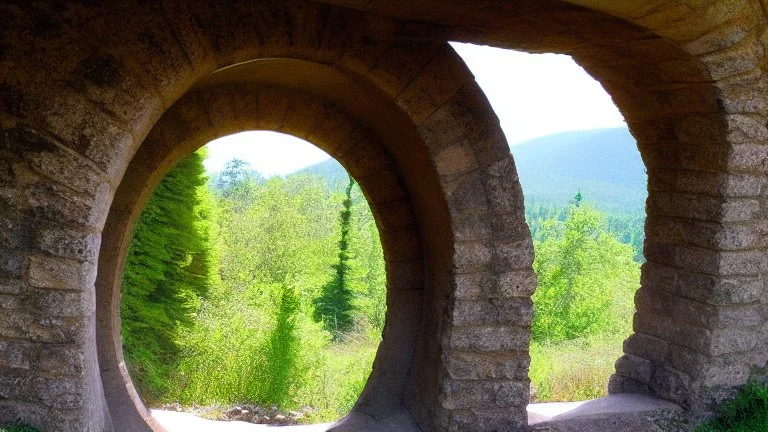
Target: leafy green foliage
17, 427
747, 412
586, 278
583, 304
255, 340
334, 304
167, 273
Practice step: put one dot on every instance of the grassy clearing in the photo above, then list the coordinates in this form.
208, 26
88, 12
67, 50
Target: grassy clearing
337, 382
573, 370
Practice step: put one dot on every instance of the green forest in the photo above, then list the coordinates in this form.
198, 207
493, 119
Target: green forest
245, 290
240, 289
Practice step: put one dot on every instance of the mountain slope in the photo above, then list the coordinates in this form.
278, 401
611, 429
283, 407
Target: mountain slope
604, 164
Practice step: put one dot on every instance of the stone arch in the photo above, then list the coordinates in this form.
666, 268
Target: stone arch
83, 84
213, 111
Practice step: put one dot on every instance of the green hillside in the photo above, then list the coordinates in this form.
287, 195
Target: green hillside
603, 164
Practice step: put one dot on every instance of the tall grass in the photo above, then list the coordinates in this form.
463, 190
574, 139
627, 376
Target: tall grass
573, 370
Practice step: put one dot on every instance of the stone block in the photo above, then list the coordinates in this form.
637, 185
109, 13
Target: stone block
671, 384
695, 129
476, 286
634, 367
401, 246
519, 283
471, 257
749, 157
56, 330
746, 129
62, 360
735, 263
400, 62
745, 94
67, 243
732, 340
740, 58
472, 224
11, 286
366, 157
384, 187
490, 338
15, 354
53, 203
515, 311
60, 393
405, 275
466, 192
648, 347
687, 360
512, 254
64, 304
502, 185
621, 384
11, 263
488, 366
466, 394
491, 146
48, 157
59, 273
395, 216
438, 81
671, 330
718, 39
510, 225
726, 375
457, 159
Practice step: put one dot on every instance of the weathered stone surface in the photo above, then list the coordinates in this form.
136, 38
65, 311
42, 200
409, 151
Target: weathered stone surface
488, 338
83, 85
14, 354
488, 366
57, 273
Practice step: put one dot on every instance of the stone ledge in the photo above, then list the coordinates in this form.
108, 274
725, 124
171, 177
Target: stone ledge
614, 413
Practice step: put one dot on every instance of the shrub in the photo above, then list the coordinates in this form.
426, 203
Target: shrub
746, 412
17, 427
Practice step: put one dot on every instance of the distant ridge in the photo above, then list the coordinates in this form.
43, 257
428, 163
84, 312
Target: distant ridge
604, 164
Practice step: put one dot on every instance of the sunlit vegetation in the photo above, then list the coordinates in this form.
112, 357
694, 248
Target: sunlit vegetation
236, 321
271, 292
746, 412
583, 302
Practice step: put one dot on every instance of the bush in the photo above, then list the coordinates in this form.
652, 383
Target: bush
17, 427
746, 412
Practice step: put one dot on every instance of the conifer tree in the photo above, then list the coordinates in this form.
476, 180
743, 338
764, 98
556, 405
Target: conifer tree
167, 272
334, 305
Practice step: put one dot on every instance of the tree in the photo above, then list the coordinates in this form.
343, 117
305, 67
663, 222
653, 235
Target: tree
167, 273
334, 305
586, 278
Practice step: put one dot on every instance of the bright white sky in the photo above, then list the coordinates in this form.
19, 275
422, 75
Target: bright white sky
533, 94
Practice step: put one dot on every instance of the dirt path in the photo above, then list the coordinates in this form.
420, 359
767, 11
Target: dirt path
184, 422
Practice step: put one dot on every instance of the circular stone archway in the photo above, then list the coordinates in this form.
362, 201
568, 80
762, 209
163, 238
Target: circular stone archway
378, 145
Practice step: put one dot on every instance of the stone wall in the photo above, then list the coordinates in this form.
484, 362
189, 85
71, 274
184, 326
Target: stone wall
97, 102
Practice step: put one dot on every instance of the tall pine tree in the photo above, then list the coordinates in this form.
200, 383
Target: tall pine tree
167, 272
334, 305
